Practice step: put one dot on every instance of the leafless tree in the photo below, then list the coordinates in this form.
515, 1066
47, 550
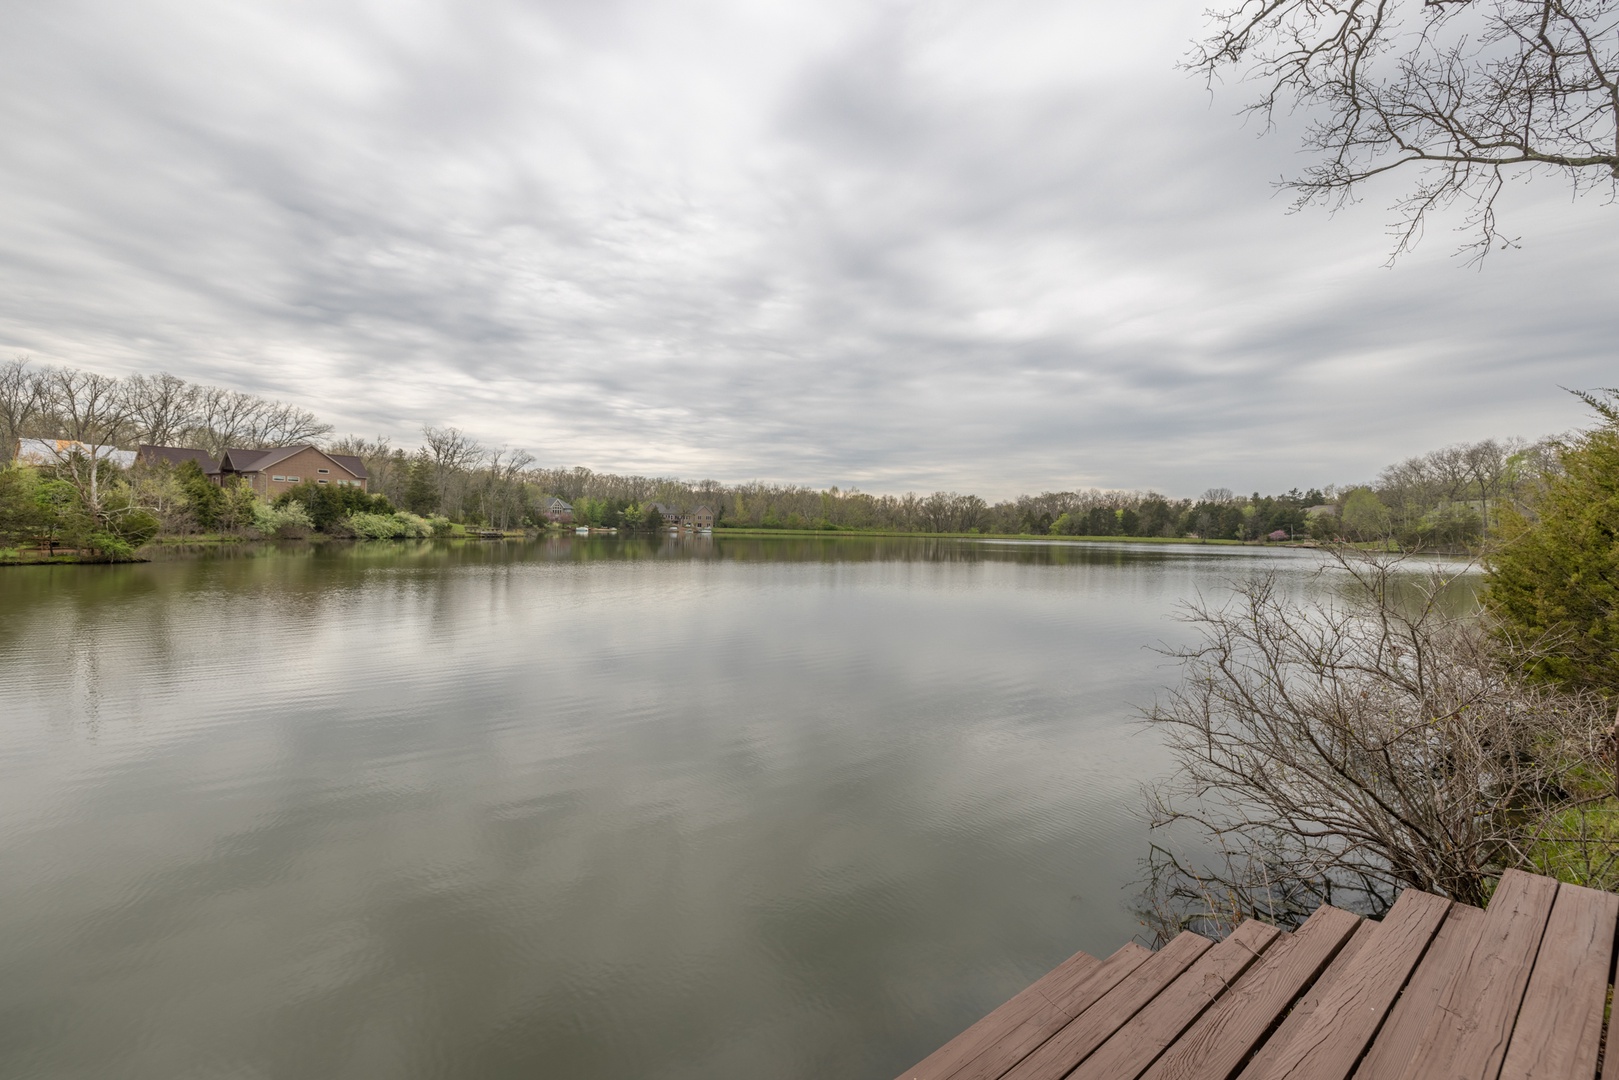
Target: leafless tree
21, 394
937, 511
1464, 92
453, 453
163, 407
1338, 751
280, 424
227, 418
502, 488
93, 410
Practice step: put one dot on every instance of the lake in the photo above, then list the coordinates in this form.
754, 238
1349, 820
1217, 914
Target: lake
574, 807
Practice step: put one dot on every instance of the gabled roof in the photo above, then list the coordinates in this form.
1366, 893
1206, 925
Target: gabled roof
259, 460
241, 460
176, 455
262, 459
353, 464
555, 504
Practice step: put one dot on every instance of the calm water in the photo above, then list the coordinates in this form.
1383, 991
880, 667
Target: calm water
574, 808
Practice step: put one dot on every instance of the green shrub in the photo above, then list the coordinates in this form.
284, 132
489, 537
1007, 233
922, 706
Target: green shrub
288, 521
328, 506
205, 499
1554, 575
399, 525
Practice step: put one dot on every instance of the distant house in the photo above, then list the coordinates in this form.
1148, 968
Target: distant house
701, 518
555, 510
1325, 509
282, 468
176, 456
58, 451
672, 518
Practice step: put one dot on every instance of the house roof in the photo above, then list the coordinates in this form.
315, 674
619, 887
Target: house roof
56, 451
177, 455
353, 464
554, 503
241, 460
259, 460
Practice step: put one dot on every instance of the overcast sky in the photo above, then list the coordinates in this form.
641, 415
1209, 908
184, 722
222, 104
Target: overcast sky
993, 246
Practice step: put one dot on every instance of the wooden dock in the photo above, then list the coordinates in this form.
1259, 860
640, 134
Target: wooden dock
1436, 991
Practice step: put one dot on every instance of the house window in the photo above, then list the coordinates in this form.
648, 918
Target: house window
323, 471
278, 478
320, 481
295, 479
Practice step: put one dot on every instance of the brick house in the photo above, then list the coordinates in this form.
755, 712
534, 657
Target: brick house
672, 518
701, 518
270, 472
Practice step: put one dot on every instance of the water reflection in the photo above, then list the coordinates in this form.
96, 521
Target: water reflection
584, 807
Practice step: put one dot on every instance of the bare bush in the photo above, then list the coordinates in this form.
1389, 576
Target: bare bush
1340, 751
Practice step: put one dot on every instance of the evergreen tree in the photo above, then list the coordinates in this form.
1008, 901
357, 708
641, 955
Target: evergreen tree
205, 498
1555, 574
421, 491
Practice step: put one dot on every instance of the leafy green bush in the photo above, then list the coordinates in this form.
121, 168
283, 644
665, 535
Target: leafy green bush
399, 525
328, 506
21, 515
205, 499
288, 521
124, 527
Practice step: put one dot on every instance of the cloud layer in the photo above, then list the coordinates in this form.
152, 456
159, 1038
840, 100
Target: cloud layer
996, 247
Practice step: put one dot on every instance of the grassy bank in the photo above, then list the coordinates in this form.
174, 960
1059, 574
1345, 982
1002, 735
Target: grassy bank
15, 557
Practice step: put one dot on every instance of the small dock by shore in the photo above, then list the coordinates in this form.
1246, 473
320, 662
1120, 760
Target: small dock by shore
1435, 990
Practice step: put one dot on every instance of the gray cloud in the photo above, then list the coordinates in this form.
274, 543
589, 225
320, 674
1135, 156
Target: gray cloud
994, 247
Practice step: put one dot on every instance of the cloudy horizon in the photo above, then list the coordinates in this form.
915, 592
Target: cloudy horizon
999, 248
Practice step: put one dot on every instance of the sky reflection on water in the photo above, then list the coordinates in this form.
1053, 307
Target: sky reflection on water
585, 808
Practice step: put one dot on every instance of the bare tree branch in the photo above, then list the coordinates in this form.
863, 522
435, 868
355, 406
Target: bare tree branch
1466, 93
1339, 752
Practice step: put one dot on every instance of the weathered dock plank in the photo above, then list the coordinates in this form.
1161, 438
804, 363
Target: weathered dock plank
1095, 1025
1559, 1028
1215, 1047
953, 1054
1349, 1013
1436, 991
1467, 1037
1137, 1045
1005, 1036
1396, 1044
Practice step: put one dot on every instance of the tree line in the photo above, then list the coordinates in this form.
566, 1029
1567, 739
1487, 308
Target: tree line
164, 410
1448, 499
